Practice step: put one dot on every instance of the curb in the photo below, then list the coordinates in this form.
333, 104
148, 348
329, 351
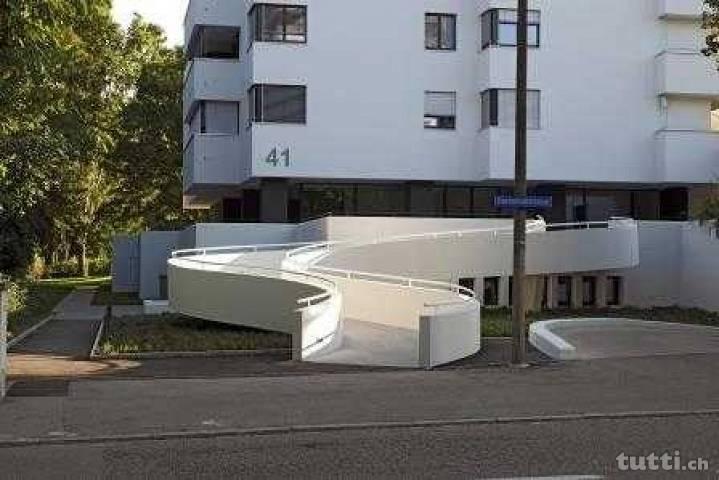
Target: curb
30, 330
550, 343
70, 439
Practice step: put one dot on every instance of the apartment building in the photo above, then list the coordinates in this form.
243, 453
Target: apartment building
296, 109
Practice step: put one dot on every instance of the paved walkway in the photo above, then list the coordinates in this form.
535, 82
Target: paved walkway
624, 338
62, 346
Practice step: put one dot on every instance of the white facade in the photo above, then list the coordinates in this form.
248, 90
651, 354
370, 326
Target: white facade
626, 97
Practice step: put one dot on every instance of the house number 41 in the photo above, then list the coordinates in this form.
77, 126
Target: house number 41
278, 157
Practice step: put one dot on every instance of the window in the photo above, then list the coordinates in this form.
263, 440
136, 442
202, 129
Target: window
278, 23
589, 291
499, 107
278, 104
440, 110
491, 291
215, 42
499, 27
614, 291
564, 291
440, 31
467, 283
714, 116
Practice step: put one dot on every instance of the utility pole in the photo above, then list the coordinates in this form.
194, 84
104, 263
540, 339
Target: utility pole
519, 339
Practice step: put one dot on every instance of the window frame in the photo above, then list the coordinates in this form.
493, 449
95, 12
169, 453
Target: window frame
439, 17
255, 27
255, 104
492, 94
492, 40
450, 121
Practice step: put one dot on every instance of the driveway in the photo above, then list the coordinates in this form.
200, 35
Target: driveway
583, 339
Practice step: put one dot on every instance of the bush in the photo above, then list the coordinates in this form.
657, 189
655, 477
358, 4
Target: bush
17, 296
63, 269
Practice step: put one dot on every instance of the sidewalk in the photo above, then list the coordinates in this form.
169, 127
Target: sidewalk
153, 408
62, 346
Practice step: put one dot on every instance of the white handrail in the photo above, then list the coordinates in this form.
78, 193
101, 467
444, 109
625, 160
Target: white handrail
186, 255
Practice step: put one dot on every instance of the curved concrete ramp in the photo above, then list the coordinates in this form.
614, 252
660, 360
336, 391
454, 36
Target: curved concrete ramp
367, 343
584, 339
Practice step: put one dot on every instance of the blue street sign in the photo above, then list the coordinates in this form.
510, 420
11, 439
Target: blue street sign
523, 203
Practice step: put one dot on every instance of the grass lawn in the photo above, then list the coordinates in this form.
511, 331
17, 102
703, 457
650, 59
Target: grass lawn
498, 322
42, 297
104, 296
175, 333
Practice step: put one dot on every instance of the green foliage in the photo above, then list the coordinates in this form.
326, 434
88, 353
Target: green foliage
174, 333
90, 131
708, 211
711, 27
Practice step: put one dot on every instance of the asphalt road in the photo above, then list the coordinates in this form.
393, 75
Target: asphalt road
588, 447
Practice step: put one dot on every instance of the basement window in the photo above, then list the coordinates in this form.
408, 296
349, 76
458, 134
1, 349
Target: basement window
589, 291
564, 291
491, 291
614, 291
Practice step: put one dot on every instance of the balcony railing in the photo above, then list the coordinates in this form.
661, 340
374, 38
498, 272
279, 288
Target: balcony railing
211, 79
686, 73
212, 159
687, 156
213, 12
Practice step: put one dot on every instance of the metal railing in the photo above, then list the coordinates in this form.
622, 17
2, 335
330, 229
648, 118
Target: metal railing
191, 255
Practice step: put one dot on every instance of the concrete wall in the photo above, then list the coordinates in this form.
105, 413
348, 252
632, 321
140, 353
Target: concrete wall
155, 249
489, 254
227, 234
126, 263
448, 333
700, 268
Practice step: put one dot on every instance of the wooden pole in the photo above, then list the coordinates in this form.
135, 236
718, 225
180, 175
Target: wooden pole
519, 338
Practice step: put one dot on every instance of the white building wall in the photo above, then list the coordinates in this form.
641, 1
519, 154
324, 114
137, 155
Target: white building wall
599, 68
700, 268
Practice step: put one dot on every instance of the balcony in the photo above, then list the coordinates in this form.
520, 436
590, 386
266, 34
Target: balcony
211, 79
686, 74
687, 156
212, 160
680, 9
213, 12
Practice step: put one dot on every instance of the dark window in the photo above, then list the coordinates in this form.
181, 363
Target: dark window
564, 291
589, 291
278, 23
458, 201
440, 31
325, 199
467, 283
215, 42
499, 107
380, 199
231, 210
278, 104
491, 291
614, 291
499, 27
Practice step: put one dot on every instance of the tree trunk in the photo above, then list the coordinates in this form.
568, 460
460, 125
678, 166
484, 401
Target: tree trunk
82, 260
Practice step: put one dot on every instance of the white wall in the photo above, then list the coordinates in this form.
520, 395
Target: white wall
365, 87
155, 249
229, 234
700, 268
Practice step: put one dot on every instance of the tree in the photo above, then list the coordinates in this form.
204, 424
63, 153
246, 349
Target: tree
708, 212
